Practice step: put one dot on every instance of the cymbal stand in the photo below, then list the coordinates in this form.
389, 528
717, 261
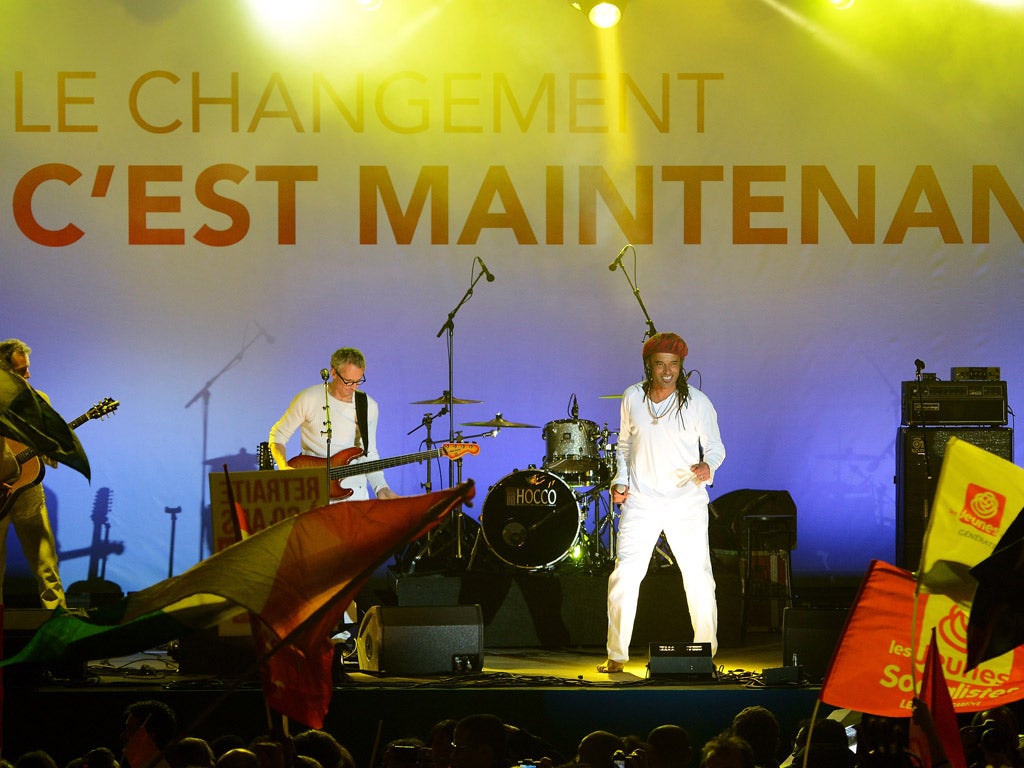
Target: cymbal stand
449, 329
427, 549
426, 422
428, 442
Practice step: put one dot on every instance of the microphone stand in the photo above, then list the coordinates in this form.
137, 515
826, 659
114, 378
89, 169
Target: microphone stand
205, 524
449, 329
636, 292
327, 431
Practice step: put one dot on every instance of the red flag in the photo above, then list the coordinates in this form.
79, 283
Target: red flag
297, 577
935, 695
352, 542
881, 654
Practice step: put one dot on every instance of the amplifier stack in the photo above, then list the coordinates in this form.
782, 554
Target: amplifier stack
972, 407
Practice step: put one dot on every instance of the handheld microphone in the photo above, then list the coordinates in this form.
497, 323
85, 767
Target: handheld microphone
325, 374
267, 336
487, 272
618, 259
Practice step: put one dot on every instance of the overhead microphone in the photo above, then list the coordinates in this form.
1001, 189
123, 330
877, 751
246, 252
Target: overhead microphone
487, 272
267, 336
325, 374
618, 259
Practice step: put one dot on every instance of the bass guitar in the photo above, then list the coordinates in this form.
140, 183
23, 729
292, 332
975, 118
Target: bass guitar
341, 466
31, 469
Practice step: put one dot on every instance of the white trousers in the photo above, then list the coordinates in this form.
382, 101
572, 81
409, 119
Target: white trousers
685, 524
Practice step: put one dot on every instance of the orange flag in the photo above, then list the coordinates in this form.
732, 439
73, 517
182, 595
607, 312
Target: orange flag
880, 657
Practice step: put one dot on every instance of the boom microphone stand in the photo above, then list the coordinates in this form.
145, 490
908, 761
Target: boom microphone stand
636, 291
205, 528
449, 329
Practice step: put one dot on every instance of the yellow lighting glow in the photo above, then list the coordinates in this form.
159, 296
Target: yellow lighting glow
842, 5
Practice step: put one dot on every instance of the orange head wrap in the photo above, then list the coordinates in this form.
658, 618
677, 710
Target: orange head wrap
665, 342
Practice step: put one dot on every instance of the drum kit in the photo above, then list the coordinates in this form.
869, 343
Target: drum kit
536, 518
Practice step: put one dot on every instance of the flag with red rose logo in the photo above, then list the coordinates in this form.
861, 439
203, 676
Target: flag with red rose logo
977, 498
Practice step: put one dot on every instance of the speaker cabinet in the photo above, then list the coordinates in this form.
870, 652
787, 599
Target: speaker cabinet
421, 639
919, 454
809, 637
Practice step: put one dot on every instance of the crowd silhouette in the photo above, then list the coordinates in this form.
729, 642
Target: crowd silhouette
150, 738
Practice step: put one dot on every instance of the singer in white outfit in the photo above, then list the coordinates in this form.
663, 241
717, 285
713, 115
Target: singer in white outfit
668, 450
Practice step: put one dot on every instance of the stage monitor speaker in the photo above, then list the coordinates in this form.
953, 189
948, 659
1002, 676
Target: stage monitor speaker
689, 660
421, 639
919, 454
809, 637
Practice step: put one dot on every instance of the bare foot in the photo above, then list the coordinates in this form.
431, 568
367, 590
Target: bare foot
611, 666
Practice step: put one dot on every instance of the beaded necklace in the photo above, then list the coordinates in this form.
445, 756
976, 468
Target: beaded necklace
667, 403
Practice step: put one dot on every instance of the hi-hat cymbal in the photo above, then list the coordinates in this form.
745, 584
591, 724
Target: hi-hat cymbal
444, 399
498, 422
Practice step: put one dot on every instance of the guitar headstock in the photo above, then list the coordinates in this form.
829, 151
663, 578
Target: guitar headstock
458, 450
104, 407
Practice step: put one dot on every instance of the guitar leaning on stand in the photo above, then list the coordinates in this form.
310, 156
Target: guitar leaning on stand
341, 467
30, 468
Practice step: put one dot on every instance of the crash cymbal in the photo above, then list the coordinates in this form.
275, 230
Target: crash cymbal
498, 422
443, 400
612, 397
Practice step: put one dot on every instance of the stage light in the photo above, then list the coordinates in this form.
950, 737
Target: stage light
602, 13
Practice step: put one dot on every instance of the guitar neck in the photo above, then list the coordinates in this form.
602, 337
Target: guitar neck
29, 453
365, 467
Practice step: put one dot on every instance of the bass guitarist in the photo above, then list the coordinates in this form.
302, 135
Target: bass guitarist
345, 416
28, 512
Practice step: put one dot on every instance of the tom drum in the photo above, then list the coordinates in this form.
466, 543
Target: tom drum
572, 446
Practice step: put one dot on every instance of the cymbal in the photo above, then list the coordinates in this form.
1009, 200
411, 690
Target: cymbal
445, 400
498, 422
611, 397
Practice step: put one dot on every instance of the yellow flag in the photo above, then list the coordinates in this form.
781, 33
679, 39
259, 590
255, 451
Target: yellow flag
977, 497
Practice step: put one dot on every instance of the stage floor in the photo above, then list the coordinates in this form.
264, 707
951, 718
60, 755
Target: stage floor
557, 695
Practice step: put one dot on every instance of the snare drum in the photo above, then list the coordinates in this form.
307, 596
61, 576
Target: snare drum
530, 519
572, 449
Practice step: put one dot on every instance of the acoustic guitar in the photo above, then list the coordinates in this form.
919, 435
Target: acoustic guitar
30, 468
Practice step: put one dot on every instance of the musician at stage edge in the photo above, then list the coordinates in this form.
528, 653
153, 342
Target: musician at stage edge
27, 512
669, 447
343, 411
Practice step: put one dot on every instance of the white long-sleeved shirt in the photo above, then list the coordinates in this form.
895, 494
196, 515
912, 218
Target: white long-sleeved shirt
305, 414
650, 457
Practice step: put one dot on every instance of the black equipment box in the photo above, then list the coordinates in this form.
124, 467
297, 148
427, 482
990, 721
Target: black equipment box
954, 403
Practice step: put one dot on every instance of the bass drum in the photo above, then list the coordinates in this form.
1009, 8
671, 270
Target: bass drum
531, 519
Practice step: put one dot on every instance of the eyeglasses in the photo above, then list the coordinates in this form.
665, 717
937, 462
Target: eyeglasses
349, 382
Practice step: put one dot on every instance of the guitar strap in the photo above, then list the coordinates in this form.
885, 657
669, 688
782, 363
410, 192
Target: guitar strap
361, 422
